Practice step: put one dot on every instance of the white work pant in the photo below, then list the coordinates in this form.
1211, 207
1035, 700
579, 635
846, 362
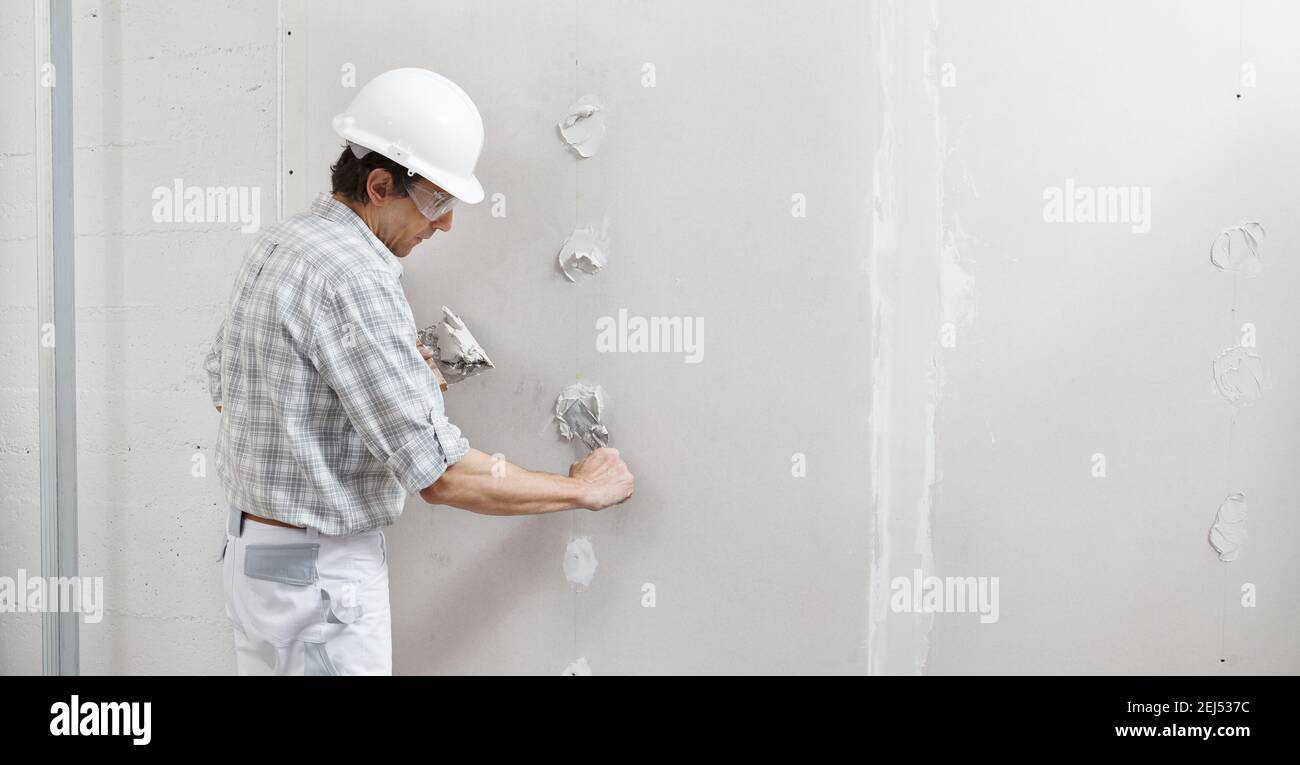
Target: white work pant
302, 603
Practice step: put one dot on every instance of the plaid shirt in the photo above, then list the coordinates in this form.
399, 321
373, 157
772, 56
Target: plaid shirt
330, 416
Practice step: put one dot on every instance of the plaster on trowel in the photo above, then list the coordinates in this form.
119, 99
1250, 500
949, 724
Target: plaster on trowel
453, 349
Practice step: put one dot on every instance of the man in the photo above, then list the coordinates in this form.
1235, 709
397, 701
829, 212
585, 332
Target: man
331, 416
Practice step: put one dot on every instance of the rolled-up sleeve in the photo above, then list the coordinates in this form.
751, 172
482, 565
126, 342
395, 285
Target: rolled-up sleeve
363, 345
212, 365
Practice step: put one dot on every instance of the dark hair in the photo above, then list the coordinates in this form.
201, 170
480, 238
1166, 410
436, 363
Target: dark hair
348, 175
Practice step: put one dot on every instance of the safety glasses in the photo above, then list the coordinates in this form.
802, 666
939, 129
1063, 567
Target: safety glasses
433, 204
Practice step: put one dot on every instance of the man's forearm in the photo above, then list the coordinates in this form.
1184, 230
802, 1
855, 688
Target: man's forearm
484, 485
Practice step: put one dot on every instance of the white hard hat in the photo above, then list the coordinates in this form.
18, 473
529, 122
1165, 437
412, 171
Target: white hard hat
424, 122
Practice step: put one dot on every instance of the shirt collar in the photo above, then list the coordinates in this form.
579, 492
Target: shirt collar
329, 208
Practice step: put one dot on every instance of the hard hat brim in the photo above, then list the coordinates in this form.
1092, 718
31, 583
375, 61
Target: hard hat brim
467, 190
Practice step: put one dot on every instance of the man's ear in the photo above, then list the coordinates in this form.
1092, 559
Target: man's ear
379, 186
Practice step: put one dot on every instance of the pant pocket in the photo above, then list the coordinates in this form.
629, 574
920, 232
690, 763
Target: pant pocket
286, 564
350, 576
351, 568
279, 595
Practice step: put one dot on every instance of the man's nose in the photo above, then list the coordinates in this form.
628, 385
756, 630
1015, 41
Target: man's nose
443, 223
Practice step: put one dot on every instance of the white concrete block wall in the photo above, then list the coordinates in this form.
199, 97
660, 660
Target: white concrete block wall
162, 91
20, 634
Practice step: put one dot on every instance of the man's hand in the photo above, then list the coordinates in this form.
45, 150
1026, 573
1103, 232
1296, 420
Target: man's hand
433, 366
607, 477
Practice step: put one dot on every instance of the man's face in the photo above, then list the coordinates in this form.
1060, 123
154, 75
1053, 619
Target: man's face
402, 226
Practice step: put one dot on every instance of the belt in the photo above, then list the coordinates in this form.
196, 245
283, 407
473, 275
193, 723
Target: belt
270, 522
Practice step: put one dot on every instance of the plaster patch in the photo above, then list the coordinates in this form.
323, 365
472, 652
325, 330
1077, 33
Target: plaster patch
959, 298
579, 668
583, 254
454, 348
1236, 249
583, 128
880, 267
1239, 376
1228, 534
578, 411
580, 562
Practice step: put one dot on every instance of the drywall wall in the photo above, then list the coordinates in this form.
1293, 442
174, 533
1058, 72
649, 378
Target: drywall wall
907, 364
1050, 414
715, 120
1041, 411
